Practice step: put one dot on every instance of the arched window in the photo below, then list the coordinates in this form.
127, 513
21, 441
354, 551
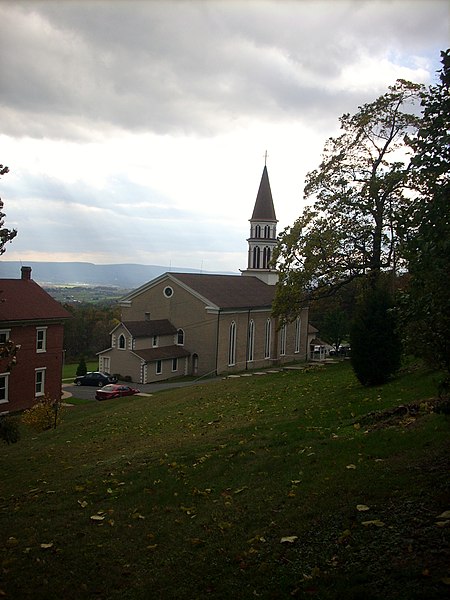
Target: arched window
267, 231
257, 231
256, 257
298, 331
283, 340
122, 342
251, 341
266, 257
180, 337
267, 338
232, 345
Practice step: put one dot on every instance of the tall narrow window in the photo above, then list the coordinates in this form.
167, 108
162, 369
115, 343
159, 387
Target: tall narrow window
283, 340
256, 257
257, 231
41, 339
4, 387
267, 231
298, 331
122, 342
267, 338
180, 337
232, 345
266, 257
251, 341
174, 364
158, 367
39, 382
155, 341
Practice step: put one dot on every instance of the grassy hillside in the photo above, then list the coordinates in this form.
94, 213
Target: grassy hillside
274, 486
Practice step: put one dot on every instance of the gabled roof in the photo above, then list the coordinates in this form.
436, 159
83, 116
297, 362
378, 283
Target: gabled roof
228, 291
150, 328
25, 300
264, 209
162, 353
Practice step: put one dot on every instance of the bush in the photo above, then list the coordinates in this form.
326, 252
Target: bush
82, 368
375, 343
45, 414
9, 430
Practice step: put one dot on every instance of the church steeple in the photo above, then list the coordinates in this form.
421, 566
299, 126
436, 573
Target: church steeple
263, 234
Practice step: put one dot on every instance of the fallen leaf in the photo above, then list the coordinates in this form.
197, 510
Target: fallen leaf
375, 522
45, 546
97, 518
350, 467
444, 515
443, 523
362, 507
82, 503
289, 539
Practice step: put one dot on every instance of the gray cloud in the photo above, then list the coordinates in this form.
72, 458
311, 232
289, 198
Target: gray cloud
77, 69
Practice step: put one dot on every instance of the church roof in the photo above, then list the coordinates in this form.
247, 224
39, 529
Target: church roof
229, 291
150, 328
161, 353
264, 209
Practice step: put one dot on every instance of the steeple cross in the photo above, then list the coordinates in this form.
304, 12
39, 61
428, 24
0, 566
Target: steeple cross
265, 159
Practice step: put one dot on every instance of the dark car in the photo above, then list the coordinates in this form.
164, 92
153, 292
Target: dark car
115, 391
95, 378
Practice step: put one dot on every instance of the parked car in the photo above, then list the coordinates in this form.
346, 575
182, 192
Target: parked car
95, 378
115, 391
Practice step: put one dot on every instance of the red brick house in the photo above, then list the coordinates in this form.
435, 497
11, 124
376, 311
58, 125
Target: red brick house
31, 343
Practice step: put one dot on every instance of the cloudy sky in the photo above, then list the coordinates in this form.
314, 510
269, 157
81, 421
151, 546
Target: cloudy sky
135, 131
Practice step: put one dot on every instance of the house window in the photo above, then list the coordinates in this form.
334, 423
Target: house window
251, 341
232, 345
39, 382
267, 231
41, 339
180, 337
267, 338
168, 291
155, 341
257, 231
158, 367
122, 342
4, 335
298, 330
106, 364
283, 340
174, 364
4, 387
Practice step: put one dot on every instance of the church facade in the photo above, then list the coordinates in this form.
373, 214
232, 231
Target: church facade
201, 324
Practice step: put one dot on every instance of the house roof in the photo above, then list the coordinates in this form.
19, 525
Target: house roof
264, 209
25, 300
162, 353
229, 291
150, 328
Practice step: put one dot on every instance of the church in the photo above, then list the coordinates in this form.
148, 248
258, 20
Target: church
201, 324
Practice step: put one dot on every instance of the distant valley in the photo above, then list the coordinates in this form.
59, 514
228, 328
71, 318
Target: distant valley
122, 276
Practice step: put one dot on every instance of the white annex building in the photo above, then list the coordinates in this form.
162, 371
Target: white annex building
198, 324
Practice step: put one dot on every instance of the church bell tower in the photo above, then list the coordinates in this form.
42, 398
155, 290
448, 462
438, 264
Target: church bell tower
263, 234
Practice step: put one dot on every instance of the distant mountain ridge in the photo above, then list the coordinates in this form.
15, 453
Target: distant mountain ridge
126, 276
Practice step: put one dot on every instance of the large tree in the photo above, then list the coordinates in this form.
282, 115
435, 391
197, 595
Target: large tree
6, 235
358, 196
427, 237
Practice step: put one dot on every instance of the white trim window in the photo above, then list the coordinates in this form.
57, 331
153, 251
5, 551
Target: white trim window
41, 339
251, 341
174, 364
298, 331
39, 378
267, 338
283, 340
180, 337
4, 335
155, 341
122, 342
158, 369
4, 384
232, 345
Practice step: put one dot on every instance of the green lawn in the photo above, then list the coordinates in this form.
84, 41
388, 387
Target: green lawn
274, 486
70, 369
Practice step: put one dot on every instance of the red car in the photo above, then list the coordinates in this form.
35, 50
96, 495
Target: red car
113, 390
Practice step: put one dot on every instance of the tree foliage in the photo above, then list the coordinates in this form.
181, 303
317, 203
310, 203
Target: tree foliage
375, 343
88, 331
358, 192
6, 235
427, 237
